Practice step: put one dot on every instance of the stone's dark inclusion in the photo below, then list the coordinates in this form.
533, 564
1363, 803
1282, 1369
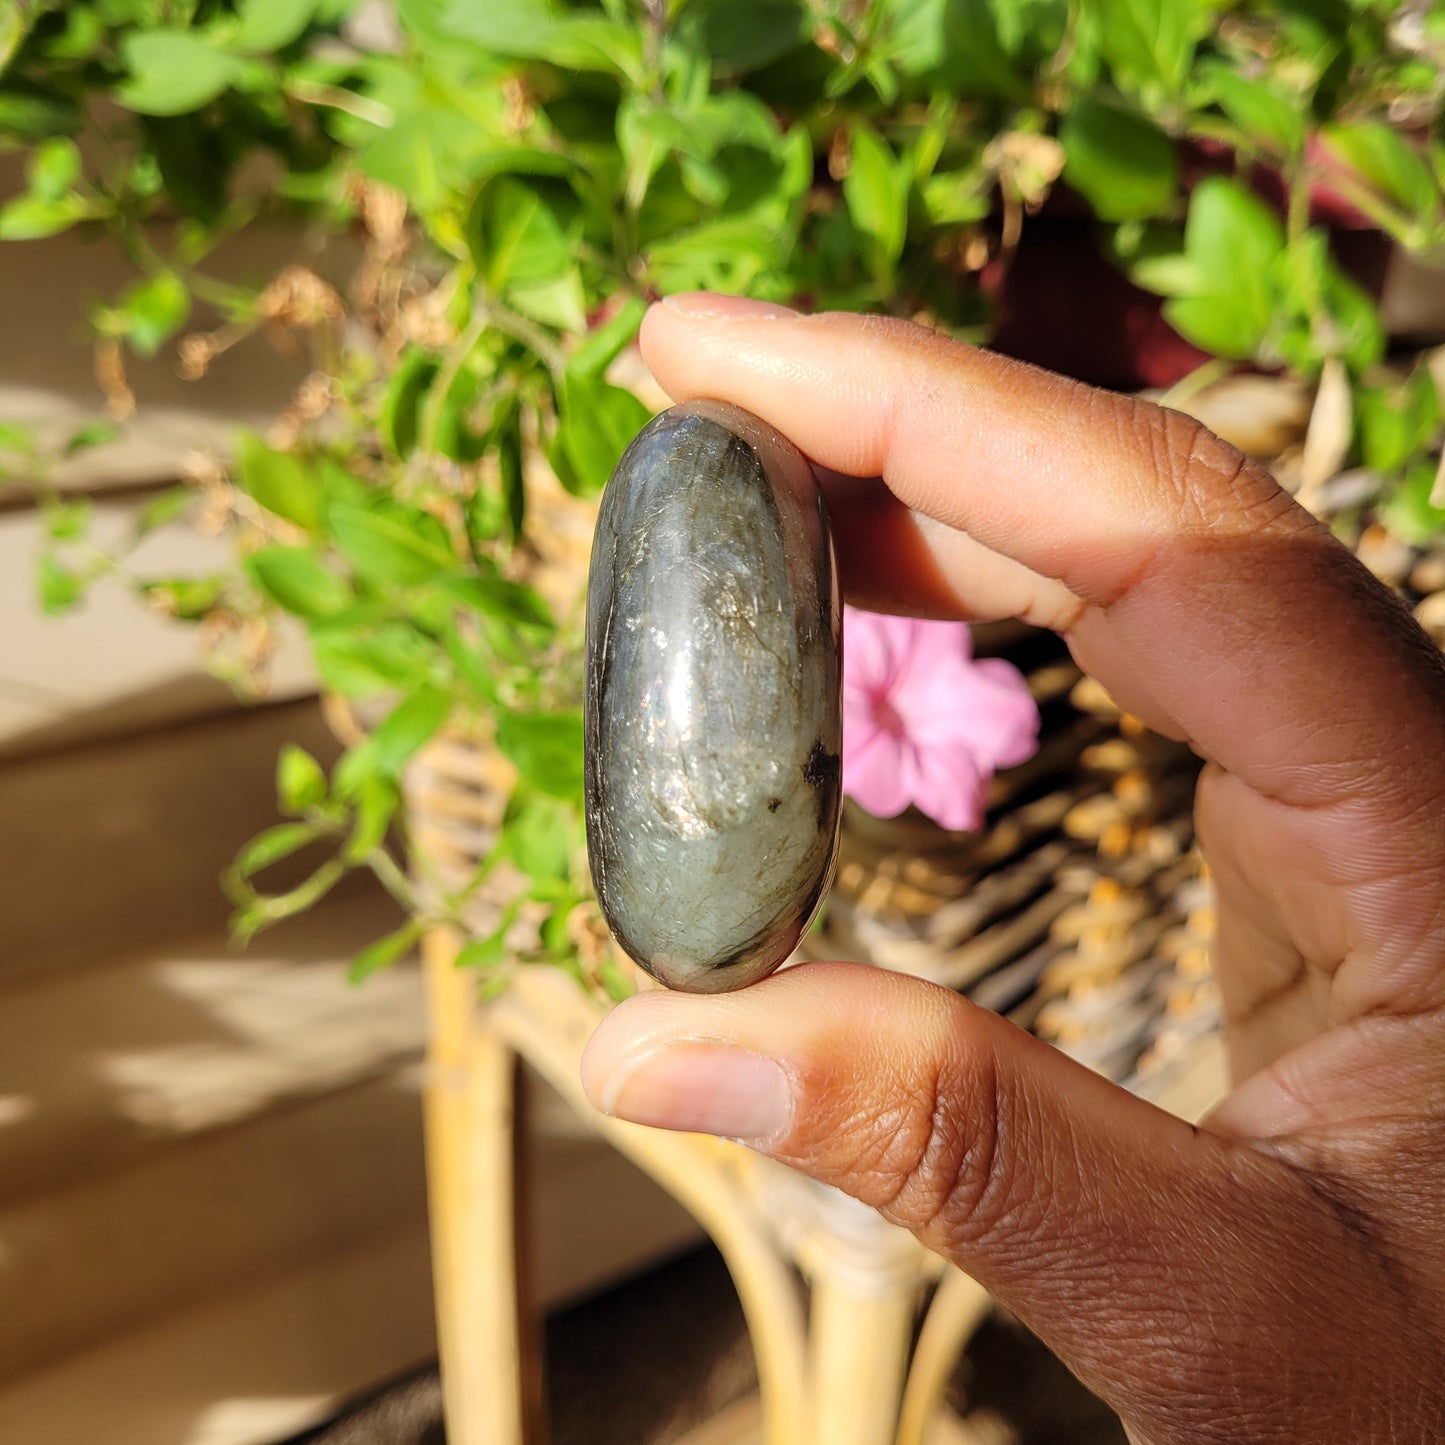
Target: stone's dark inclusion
822, 768
713, 706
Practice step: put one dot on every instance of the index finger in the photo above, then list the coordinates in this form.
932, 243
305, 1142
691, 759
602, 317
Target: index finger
1203, 583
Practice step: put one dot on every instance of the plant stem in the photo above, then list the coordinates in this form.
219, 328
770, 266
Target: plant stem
451, 367
654, 36
527, 332
1202, 376
395, 881
1297, 216
336, 97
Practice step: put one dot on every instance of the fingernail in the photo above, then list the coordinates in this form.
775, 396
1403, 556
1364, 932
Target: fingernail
714, 306
704, 1089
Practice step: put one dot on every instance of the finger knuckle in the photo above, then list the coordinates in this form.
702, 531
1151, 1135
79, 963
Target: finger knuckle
1199, 490
940, 1166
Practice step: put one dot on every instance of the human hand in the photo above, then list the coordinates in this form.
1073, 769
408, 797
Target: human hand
1279, 1273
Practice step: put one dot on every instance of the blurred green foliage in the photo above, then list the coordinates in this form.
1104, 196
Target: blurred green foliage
525, 174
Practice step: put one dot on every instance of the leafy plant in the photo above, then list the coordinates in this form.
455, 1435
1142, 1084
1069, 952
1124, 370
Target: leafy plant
526, 174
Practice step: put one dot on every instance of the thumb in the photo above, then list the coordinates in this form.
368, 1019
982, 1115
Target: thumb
1117, 1232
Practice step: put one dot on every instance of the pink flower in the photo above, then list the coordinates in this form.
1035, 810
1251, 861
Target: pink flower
924, 723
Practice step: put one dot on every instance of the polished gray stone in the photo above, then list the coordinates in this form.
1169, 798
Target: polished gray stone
713, 706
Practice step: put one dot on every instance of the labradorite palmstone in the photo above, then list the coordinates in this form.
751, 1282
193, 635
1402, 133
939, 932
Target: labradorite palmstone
713, 706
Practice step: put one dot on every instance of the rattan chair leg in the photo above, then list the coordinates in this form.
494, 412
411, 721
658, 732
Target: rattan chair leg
470, 1139
956, 1310
860, 1334
547, 1020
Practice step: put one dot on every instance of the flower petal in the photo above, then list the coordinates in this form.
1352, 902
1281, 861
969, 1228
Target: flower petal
860, 725
960, 719
873, 649
949, 786
986, 704
875, 776
1009, 712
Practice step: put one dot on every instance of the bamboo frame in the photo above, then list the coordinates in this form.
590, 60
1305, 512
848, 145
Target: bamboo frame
835, 1374
471, 1197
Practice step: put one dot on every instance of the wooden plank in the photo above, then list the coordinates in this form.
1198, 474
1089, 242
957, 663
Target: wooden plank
106, 1064
114, 665
119, 847
246, 1367
115, 1250
126, 1251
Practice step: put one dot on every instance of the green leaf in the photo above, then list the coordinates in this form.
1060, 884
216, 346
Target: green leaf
187, 599
384, 952
533, 30
1265, 117
428, 153
597, 422
1233, 242
538, 838
61, 590
271, 847
410, 397
53, 168
1341, 318
409, 727
494, 985
501, 599
1122, 163
518, 238
173, 72
602, 346
619, 986
30, 112
1409, 512
555, 938
68, 521
281, 482
91, 434
392, 543
470, 673
484, 953
955, 198
1388, 163
359, 663
743, 35
270, 25
956, 44
729, 253
1358, 332
164, 509
511, 472
16, 438
300, 782
546, 749
876, 193
14, 25
295, 579
32, 218
154, 310
560, 302
399, 421
1397, 422
1149, 44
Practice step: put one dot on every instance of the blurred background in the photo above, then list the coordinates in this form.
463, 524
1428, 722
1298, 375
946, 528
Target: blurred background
319, 321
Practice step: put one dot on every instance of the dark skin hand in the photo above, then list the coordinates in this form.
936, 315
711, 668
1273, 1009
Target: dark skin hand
1278, 1274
